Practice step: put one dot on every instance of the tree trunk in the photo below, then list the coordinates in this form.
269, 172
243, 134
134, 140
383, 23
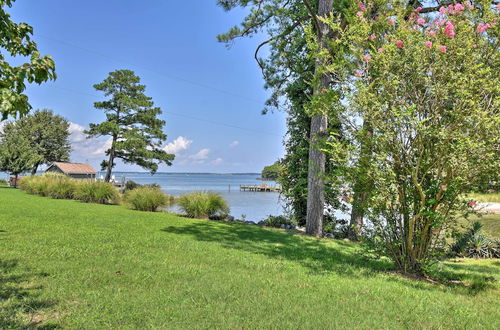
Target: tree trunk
111, 159
317, 159
34, 169
15, 180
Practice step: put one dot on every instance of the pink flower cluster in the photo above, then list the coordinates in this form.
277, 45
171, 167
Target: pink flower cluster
454, 9
362, 6
449, 29
367, 58
399, 43
482, 27
428, 44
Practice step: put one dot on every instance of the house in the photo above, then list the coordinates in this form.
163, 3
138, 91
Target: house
74, 170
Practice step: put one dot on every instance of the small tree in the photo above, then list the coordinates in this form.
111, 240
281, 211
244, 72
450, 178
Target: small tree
429, 89
16, 155
48, 135
132, 122
16, 40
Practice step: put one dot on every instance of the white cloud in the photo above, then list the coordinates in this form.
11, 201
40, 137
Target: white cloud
200, 155
84, 148
178, 145
233, 144
217, 161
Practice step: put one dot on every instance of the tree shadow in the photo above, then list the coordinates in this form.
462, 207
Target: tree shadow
323, 256
21, 306
319, 256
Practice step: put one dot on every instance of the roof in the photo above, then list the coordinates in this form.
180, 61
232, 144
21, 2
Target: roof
75, 168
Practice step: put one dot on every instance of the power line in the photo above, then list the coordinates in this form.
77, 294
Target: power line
183, 115
169, 76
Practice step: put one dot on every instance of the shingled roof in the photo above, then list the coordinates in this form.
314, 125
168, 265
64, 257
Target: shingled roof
75, 168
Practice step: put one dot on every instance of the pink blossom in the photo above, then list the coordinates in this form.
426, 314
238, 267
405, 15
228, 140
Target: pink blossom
481, 27
428, 44
362, 6
380, 50
443, 10
472, 203
442, 49
367, 58
360, 14
323, 90
358, 73
420, 21
373, 37
498, 6
418, 9
399, 43
449, 29
443, 187
470, 5
431, 33
459, 7
392, 21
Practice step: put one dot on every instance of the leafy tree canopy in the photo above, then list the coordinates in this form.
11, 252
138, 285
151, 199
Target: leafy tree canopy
132, 123
16, 40
47, 133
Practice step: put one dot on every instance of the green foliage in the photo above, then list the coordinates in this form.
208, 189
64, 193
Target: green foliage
16, 153
132, 122
131, 185
47, 133
426, 102
203, 205
277, 221
473, 244
97, 192
3, 182
147, 199
272, 172
54, 185
16, 40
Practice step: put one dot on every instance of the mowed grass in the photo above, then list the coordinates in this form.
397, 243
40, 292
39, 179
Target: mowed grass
490, 197
74, 265
491, 223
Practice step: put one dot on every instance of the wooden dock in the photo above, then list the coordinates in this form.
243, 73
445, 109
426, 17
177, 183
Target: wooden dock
260, 188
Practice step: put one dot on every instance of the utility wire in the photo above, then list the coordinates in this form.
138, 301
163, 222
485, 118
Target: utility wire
182, 115
169, 76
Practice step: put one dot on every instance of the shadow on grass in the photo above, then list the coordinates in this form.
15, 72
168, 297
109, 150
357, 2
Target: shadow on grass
319, 256
325, 256
20, 304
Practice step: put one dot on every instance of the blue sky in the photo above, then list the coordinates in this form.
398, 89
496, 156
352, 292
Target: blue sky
211, 96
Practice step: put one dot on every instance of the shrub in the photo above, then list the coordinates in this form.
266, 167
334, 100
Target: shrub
472, 244
97, 192
3, 182
147, 198
276, 221
203, 205
131, 185
62, 188
35, 185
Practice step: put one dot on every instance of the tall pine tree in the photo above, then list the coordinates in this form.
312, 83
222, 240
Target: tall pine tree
132, 123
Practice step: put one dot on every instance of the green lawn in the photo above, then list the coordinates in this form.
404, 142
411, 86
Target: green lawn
73, 265
490, 197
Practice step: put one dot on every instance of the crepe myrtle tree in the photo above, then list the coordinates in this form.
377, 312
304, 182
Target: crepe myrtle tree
15, 39
429, 87
132, 123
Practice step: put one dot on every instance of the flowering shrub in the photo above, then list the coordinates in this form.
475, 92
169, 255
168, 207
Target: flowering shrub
422, 116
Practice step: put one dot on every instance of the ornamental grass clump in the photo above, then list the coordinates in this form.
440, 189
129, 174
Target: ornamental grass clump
203, 205
97, 192
147, 199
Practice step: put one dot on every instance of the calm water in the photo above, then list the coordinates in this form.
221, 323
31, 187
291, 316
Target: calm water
255, 205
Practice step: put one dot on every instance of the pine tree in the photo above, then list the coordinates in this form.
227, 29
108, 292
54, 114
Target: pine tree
132, 123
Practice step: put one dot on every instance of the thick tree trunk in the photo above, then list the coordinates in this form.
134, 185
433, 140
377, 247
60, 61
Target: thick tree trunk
317, 159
